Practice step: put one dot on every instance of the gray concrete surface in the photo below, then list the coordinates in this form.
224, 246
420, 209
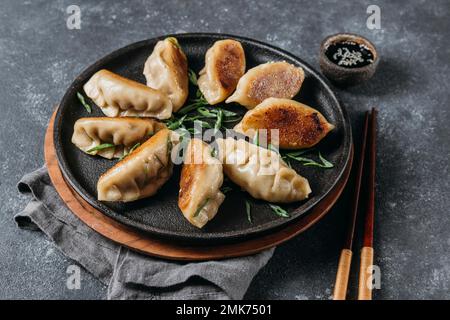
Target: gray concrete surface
39, 57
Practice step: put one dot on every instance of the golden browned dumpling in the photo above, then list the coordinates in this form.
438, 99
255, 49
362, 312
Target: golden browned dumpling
93, 135
201, 179
272, 79
299, 126
142, 173
166, 70
121, 97
224, 66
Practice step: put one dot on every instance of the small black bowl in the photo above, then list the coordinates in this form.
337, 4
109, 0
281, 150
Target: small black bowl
344, 76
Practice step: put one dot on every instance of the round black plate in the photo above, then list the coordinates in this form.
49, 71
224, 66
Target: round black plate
159, 214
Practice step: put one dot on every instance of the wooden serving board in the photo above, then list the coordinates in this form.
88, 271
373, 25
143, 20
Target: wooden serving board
145, 243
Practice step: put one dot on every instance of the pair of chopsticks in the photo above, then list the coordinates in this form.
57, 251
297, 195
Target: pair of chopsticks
366, 259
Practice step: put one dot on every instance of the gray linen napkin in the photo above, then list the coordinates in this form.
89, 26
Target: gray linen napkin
130, 275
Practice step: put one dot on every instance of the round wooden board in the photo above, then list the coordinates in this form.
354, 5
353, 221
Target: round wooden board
146, 244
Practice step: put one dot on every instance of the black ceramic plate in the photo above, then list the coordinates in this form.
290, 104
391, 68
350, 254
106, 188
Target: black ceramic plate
159, 214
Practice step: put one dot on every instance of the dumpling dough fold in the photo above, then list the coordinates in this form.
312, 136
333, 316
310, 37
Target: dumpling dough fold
224, 66
120, 97
124, 133
201, 179
261, 172
272, 79
166, 70
142, 173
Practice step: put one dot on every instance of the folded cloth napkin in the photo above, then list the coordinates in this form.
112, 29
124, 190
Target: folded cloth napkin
128, 274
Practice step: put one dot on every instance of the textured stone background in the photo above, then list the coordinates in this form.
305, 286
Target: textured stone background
39, 57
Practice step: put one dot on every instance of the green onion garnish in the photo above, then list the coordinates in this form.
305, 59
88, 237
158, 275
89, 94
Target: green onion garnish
279, 211
84, 103
248, 209
192, 77
101, 147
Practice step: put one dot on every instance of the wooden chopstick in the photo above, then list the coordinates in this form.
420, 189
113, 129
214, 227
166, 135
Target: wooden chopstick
366, 262
340, 287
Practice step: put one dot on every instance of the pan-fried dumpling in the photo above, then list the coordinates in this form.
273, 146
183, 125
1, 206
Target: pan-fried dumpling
123, 133
201, 179
142, 173
120, 97
299, 126
272, 79
261, 172
224, 66
166, 70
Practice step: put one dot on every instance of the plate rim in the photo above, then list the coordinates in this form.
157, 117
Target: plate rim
218, 236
